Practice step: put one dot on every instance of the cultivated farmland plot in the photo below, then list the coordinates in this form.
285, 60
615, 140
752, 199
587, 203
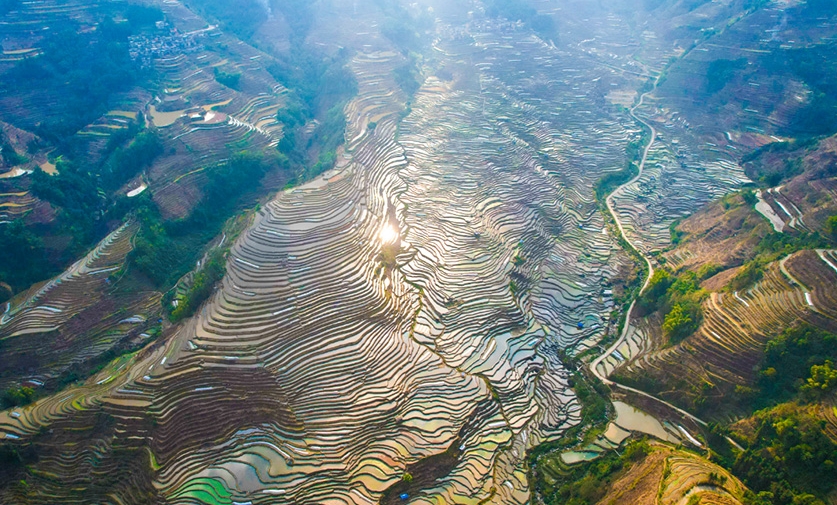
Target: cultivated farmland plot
409, 301
396, 304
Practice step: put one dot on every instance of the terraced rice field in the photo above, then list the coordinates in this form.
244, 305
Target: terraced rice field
413, 297
695, 157
14, 205
199, 119
74, 316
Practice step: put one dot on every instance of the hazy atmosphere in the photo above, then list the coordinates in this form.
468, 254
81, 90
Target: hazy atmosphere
430, 252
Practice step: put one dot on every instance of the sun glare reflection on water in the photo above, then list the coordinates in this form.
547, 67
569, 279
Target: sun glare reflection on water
388, 234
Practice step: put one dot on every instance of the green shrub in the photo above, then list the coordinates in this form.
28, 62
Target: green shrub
708, 270
202, 285
230, 80
750, 274
656, 291
831, 227
822, 381
798, 353
680, 322
789, 459
14, 397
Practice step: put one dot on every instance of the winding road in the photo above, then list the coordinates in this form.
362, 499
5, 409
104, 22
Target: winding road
594, 366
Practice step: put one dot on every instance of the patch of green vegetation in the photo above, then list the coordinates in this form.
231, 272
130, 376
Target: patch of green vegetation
613, 180
676, 235
202, 285
124, 163
788, 458
15, 397
74, 191
166, 250
586, 483
322, 86
633, 152
408, 76
23, 257
794, 361
747, 276
680, 322
823, 380
8, 156
722, 72
677, 299
229, 79
593, 396
831, 227
708, 270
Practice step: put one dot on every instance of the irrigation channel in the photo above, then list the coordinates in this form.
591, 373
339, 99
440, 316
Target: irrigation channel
594, 365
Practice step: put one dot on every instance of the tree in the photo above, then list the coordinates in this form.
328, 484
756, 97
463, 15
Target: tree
822, 380
230, 80
678, 323
831, 227
23, 259
18, 396
749, 197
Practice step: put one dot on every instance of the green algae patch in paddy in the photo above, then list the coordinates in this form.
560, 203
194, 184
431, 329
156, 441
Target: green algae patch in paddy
208, 491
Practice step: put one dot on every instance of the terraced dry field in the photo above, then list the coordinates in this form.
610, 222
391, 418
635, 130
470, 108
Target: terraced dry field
726, 350
675, 477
